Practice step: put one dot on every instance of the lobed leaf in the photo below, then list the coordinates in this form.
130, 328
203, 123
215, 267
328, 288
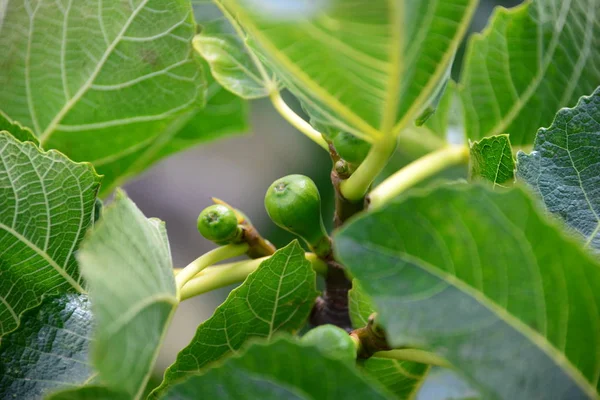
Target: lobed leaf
564, 168
126, 261
46, 206
49, 350
529, 62
464, 271
281, 369
491, 159
369, 68
278, 296
86, 75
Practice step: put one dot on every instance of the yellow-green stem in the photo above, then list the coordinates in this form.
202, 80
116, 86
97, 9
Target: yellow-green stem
355, 188
296, 121
416, 172
415, 355
207, 259
219, 276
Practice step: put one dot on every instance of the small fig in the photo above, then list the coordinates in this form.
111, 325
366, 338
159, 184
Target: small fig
332, 341
294, 204
218, 223
352, 149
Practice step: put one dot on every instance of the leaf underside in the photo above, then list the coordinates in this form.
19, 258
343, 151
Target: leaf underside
86, 75
464, 271
49, 350
46, 206
393, 60
564, 168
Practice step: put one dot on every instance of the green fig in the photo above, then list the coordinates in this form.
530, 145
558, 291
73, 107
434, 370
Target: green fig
218, 223
332, 341
352, 149
294, 204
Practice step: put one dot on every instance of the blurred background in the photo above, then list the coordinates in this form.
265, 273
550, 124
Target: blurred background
239, 169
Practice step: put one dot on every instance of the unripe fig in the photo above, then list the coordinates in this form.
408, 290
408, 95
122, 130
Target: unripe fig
332, 341
294, 204
350, 148
218, 223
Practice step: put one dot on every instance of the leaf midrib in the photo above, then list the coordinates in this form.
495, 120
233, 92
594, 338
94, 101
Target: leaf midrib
46, 134
45, 256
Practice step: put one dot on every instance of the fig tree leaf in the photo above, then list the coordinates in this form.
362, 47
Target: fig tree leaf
564, 168
368, 68
16, 129
231, 62
491, 159
99, 80
278, 296
46, 206
529, 62
126, 262
464, 271
281, 369
402, 378
360, 305
48, 350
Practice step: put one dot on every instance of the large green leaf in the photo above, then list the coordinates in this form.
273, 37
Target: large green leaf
491, 159
126, 261
278, 296
48, 350
221, 43
283, 369
366, 67
530, 61
46, 205
99, 80
565, 167
484, 280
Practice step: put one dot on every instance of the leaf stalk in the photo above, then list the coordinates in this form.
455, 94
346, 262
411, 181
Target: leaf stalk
416, 172
207, 259
296, 121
